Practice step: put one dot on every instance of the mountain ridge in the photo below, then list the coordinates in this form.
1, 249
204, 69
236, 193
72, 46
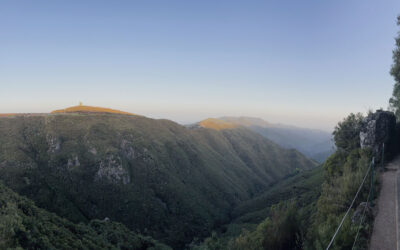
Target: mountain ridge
161, 170
90, 109
314, 143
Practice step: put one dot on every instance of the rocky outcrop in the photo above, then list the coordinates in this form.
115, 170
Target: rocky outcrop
377, 129
73, 162
127, 149
54, 143
363, 210
111, 169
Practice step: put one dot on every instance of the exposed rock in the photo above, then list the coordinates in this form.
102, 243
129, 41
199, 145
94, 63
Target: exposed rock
358, 214
111, 169
54, 144
73, 162
93, 151
127, 149
106, 219
378, 128
27, 181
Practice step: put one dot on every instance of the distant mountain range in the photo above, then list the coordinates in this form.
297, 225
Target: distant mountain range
156, 177
316, 144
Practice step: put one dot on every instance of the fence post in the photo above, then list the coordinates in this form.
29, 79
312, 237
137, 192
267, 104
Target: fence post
383, 155
372, 180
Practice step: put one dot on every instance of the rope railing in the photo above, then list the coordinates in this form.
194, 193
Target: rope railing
370, 197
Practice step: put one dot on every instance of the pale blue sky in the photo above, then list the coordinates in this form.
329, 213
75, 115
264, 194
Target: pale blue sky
307, 63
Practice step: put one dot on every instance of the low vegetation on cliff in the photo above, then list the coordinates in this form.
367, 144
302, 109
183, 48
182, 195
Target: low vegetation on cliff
25, 226
309, 207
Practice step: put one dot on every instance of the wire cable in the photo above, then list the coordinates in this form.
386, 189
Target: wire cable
362, 220
351, 205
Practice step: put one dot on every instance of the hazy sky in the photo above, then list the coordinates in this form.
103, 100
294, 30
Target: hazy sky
306, 63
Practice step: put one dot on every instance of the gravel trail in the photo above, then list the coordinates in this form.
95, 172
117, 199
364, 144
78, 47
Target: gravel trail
384, 234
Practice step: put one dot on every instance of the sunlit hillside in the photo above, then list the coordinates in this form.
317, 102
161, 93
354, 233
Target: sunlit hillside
6, 115
90, 109
216, 124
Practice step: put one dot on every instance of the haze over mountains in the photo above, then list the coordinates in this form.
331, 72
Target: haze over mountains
316, 144
156, 177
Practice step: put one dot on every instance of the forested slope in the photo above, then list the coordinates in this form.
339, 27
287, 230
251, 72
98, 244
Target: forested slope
155, 176
25, 226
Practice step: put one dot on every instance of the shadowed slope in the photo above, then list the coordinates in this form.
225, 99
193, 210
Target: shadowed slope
25, 226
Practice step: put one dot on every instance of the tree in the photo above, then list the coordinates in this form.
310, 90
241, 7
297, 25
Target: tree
347, 133
394, 102
280, 231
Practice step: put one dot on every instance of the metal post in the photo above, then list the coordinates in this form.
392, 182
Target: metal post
372, 180
383, 155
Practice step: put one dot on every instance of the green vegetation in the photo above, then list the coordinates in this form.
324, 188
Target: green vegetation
175, 183
347, 133
315, 144
395, 72
303, 211
287, 205
25, 226
154, 176
302, 187
280, 231
344, 172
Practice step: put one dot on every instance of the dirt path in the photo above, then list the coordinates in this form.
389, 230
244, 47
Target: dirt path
384, 234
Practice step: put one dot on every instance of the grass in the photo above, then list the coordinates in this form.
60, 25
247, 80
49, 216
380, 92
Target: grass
90, 109
217, 124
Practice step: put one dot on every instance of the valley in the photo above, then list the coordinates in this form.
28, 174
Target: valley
155, 176
315, 144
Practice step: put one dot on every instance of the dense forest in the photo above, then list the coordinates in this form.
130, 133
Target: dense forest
295, 223
297, 205
25, 226
156, 177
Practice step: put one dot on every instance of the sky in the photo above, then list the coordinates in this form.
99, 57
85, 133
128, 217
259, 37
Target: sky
307, 63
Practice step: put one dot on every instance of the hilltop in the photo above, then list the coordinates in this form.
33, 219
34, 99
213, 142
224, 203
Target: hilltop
82, 109
7, 115
216, 124
316, 144
90, 109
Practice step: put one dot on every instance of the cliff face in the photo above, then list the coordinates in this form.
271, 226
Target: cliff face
377, 129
